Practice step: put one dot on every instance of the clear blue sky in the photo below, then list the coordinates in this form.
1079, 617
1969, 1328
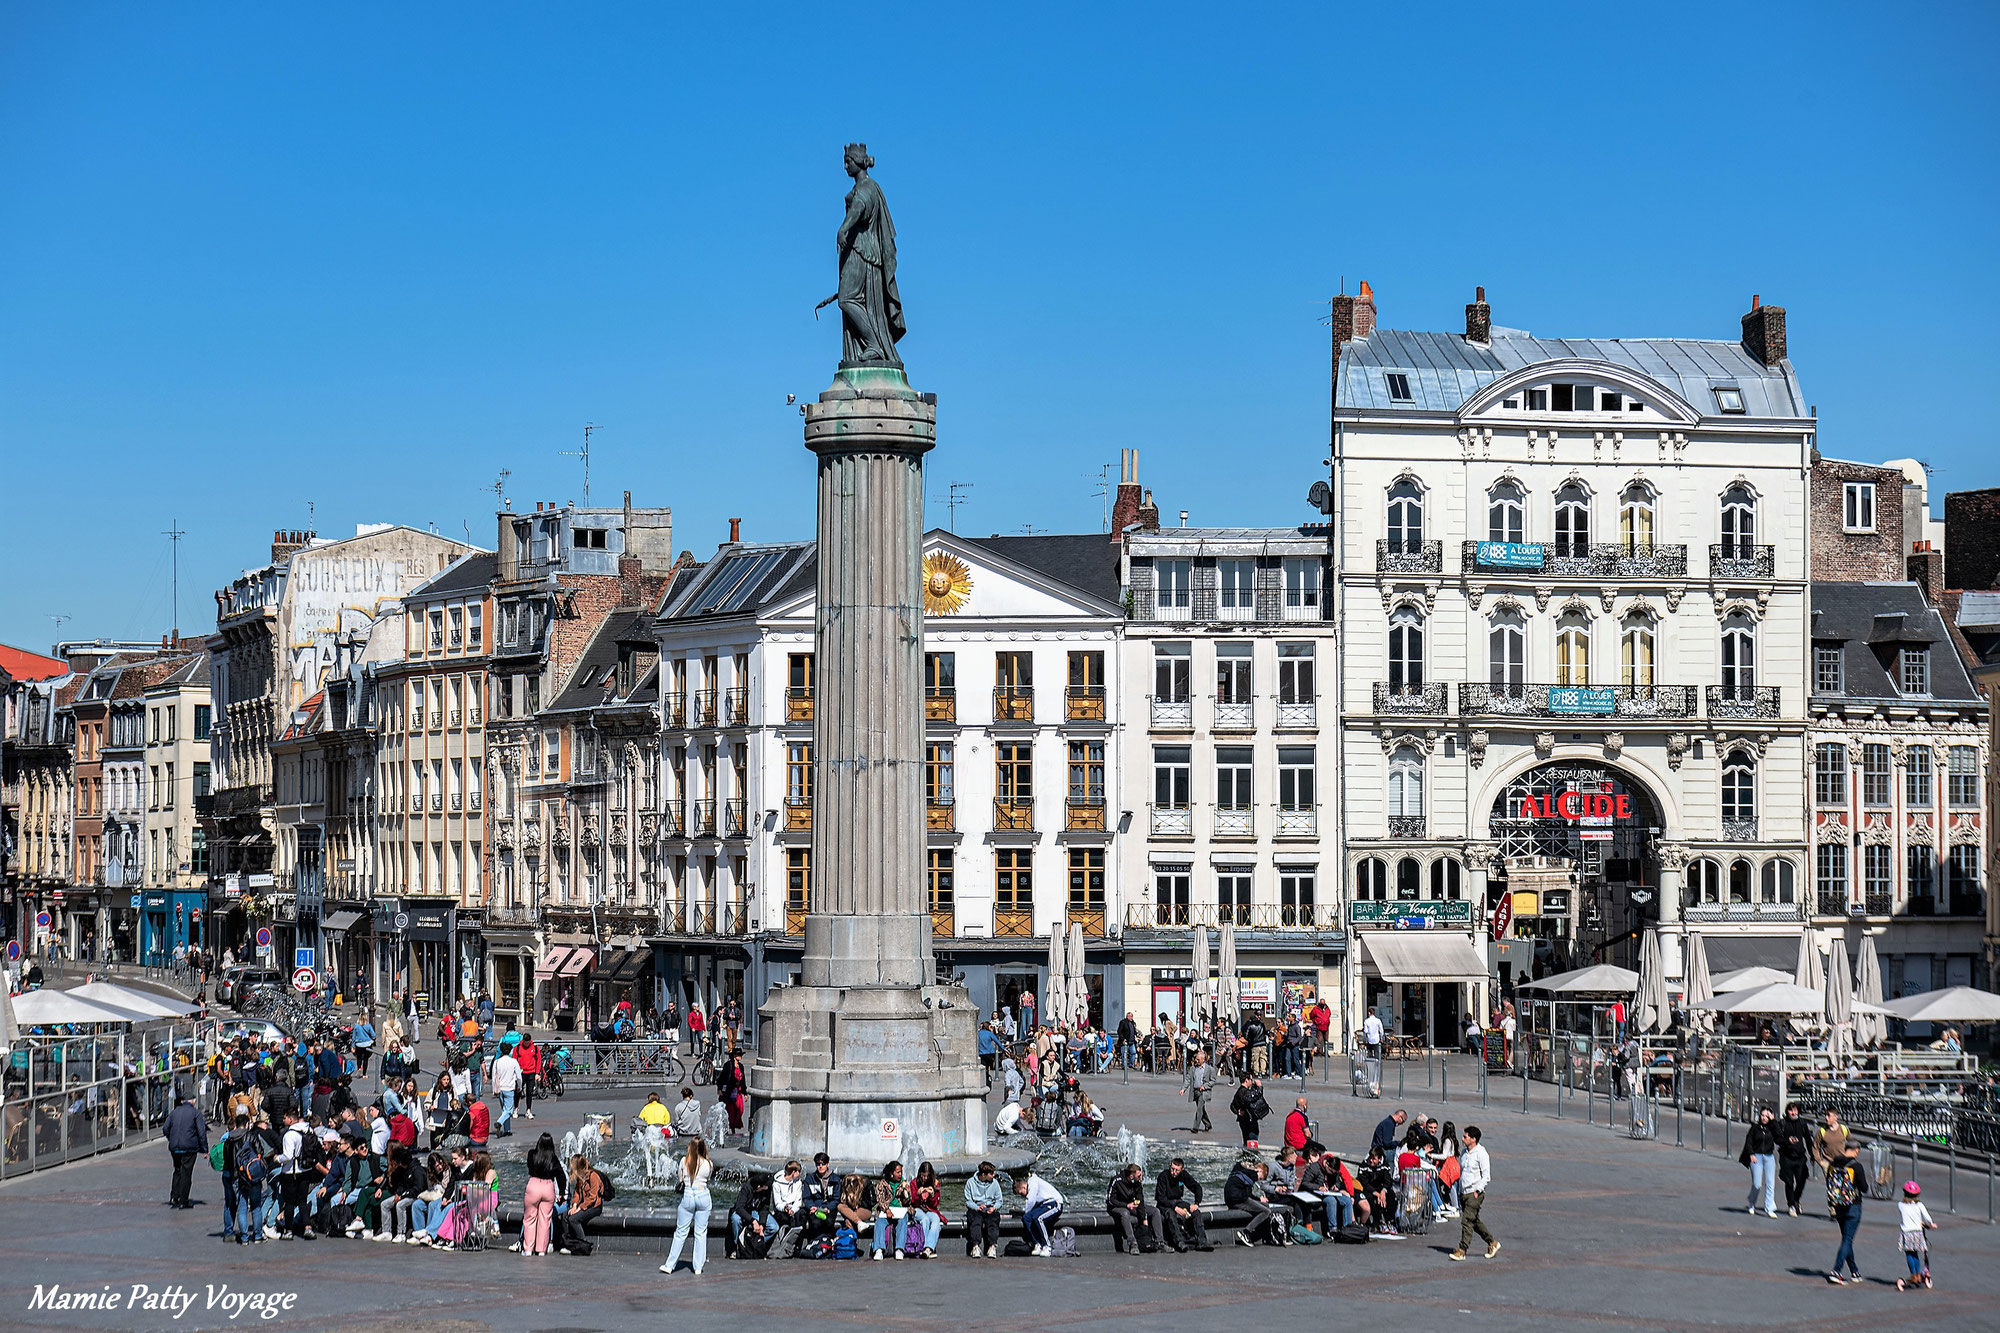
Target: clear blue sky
254, 257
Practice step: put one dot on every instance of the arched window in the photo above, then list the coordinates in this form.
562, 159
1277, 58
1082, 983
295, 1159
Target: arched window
1409, 880
1635, 517
1739, 795
1445, 879
1406, 518
1406, 783
1636, 649
1704, 881
1573, 650
1780, 882
1573, 520
1739, 657
1506, 513
1371, 880
1739, 881
1739, 523
1406, 651
1507, 653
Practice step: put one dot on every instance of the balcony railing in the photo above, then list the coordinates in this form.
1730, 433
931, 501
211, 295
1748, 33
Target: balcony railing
437, 801
1090, 918
1406, 826
702, 920
1575, 702
472, 801
472, 717
1295, 607
1256, 916
736, 919
437, 719
673, 711
1739, 830
1233, 716
1014, 703
940, 704
1742, 700
1740, 911
416, 719
1591, 559
1173, 713
1085, 812
1875, 902
1013, 816
735, 819
1420, 699
943, 922
1738, 560
1084, 703
1298, 821
457, 802
1406, 557
799, 704
1173, 821
417, 804
795, 920
673, 822
1297, 716
1833, 902
1235, 821
1014, 923
939, 814
736, 707
1966, 902
705, 702
704, 819
798, 815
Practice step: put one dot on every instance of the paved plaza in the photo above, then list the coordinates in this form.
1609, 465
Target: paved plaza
1598, 1231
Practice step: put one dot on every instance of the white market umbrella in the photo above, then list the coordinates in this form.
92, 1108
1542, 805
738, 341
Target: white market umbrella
1953, 1004
10, 1031
1743, 978
1869, 1028
47, 1008
1600, 978
1230, 1001
1839, 1002
1649, 1006
1055, 992
1079, 979
138, 1001
1807, 972
1199, 992
1780, 997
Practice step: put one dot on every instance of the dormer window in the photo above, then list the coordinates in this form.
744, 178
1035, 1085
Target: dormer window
1399, 386
1565, 398
1538, 400
1608, 401
1914, 671
1729, 399
1511, 404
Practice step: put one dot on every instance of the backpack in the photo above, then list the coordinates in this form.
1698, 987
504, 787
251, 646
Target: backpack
1018, 1249
215, 1154
1062, 1243
1304, 1235
1354, 1233
819, 1247
311, 1154
913, 1239
1841, 1191
844, 1244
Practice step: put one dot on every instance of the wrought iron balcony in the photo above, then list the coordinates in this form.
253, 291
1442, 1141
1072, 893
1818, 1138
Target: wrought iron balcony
1743, 701
1406, 557
940, 814
1298, 821
1965, 902
735, 817
1297, 716
673, 822
1297, 607
1014, 703
735, 919
1575, 703
473, 717
1579, 559
1742, 911
437, 801
673, 711
1231, 715
1084, 703
1175, 714
702, 920
1173, 821
1235, 821
1875, 902
798, 814
736, 707
1740, 560
1090, 918
795, 920
799, 704
457, 719
473, 800
1431, 698
705, 703
704, 819
416, 719
941, 704
1085, 812
1013, 923
1013, 816
1407, 826
457, 802
1833, 902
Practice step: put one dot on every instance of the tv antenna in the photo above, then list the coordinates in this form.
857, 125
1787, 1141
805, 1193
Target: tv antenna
1103, 492
954, 497
1032, 530
584, 454
174, 534
500, 488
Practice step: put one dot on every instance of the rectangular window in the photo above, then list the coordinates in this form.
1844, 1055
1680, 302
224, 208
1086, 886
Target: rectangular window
799, 774
1298, 895
1858, 506
1173, 671
1014, 772
1232, 777
1729, 400
1014, 671
156, 726
457, 616
1232, 676
1538, 400
475, 626
167, 799
1170, 894
1013, 879
1086, 688
1238, 595
1399, 387
1830, 867
1875, 775
1086, 881
940, 779
1173, 581
1829, 675
1919, 871
1919, 788
1296, 695
1962, 784
1232, 894
1607, 401
201, 722
1915, 674
1296, 786
939, 872
1086, 773
1562, 397
1301, 586
1961, 870
1172, 776
798, 880
1877, 879
940, 674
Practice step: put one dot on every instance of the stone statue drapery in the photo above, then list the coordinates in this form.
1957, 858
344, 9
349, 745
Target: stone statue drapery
871, 308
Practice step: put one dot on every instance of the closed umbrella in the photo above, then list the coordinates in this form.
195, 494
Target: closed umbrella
9, 1030
1649, 1006
1839, 1002
1696, 986
1229, 1001
1079, 980
1055, 991
1869, 1028
1198, 993
1807, 973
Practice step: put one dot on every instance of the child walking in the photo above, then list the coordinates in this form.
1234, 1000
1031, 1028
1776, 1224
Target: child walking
1914, 1220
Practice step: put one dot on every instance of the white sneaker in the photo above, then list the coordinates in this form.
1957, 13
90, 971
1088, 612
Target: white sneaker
664, 1268
1042, 1252
354, 1226
270, 1233
992, 1251
383, 1237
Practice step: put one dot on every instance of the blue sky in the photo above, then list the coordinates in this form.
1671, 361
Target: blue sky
258, 258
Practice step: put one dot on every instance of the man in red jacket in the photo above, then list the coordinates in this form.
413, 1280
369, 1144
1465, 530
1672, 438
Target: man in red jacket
1298, 1129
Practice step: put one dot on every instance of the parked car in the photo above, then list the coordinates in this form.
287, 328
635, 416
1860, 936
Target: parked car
246, 983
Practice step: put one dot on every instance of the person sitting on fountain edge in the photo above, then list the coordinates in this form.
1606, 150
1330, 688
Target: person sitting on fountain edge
687, 1115
1177, 1194
822, 1199
1138, 1222
1042, 1206
655, 1112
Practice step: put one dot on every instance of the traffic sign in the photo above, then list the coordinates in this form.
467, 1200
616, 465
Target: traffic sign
13, 950
402, 921
263, 937
302, 981
42, 919
303, 957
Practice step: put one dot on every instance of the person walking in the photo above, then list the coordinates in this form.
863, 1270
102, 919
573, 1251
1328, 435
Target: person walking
1249, 1108
1760, 1154
363, 1039
187, 1139
1200, 1082
691, 1220
1475, 1175
1371, 1040
1846, 1187
1795, 1145
506, 1086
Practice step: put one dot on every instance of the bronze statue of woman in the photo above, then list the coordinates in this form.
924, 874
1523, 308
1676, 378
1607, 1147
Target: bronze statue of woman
871, 309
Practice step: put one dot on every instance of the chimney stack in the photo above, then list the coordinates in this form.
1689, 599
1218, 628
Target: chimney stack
735, 531
1149, 514
631, 580
1764, 332
1925, 568
285, 541
1353, 317
1479, 318
1125, 502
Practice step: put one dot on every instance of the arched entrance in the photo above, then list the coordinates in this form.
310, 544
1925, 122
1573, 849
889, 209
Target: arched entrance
1575, 849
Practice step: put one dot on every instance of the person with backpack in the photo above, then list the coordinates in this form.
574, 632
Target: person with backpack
1249, 1108
1846, 1187
1245, 1191
982, 1213
298, 1170
855, 1215
753, 1228
1795, 1143
1042, 1208
239, 1203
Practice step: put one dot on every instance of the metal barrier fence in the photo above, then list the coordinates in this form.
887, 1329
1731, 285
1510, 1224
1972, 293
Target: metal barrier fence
67, 1098
615, 1064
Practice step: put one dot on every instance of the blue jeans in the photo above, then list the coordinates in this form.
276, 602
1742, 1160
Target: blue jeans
1850, 1222
1038, 1221
506, 1111
1764, 1181
244, 1205
1339, 1211
927, 1222
265, 1213
692, 1219
425, 1215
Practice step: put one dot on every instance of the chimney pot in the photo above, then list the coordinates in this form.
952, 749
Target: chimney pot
1479, 293
735, 530
1755, 301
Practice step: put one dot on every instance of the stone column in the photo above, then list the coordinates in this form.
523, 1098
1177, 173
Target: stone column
1673, 873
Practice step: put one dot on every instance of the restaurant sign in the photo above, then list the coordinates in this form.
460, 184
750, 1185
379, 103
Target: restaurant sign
1578, 807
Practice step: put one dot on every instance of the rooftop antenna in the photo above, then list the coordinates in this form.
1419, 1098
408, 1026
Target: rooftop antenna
953, 499
174, 535
584, 454
500, 488
1032, 530
1103, 493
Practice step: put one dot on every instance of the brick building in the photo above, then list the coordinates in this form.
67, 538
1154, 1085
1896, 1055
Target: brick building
1973, 519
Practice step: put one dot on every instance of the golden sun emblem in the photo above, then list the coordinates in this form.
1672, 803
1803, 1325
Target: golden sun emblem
947, 583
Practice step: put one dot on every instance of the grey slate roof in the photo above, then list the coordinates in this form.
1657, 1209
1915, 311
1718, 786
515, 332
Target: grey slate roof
584, 689
1445, 369
468, 573
1871, 621
1086, 560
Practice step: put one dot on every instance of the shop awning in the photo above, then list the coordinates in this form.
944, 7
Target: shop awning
1412, 955
553, 961
631, 965
340, 922
579, 960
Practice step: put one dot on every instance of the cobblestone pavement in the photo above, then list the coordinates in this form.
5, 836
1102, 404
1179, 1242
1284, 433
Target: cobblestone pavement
1598, 1231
